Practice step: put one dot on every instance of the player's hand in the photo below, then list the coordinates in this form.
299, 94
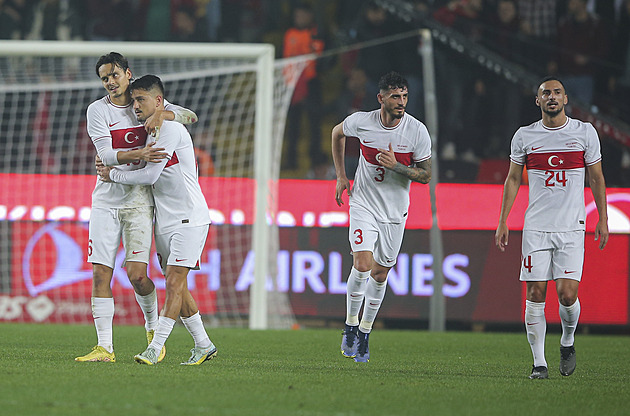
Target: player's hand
342, 183
155, 120
387, 157
602, 234
103, 173
98, 162
152, 154
501, 236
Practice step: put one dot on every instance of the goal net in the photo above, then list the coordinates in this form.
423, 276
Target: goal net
47, 177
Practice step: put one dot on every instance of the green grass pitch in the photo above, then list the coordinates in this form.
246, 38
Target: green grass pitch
302, 372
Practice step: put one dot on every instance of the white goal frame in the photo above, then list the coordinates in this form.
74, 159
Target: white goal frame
263, 54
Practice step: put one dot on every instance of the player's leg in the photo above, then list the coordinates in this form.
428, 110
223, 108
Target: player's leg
536, 326
568, 262
362, 235
535, 272
104, 238
193, 240
204, 349
176, 282
386, 250
137, 225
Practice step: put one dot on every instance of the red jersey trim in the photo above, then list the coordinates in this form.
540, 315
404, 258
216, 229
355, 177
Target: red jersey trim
369, 153
555, 160
173, 161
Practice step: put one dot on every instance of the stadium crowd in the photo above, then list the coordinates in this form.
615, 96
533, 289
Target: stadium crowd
585, 42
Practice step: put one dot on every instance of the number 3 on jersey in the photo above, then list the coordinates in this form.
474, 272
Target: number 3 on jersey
358, 233
556, 177
380, 174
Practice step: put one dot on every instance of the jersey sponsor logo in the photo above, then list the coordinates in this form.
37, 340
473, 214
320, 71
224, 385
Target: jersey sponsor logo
113, 124
555, 160
536, 148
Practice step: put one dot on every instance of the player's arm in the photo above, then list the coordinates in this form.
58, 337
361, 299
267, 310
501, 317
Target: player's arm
510, 190
598, 187
171, 112
338, 154
145, 176
421, 172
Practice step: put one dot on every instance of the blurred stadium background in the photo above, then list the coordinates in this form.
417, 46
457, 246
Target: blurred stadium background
488, 57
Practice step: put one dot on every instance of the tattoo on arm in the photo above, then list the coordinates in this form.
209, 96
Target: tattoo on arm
420, 173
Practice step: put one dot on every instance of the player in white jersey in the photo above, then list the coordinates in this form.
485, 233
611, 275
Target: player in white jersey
557, 151
121, 211
182, 219
395, 150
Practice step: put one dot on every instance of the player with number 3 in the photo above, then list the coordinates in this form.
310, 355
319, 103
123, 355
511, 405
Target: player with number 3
557, 151
395, 150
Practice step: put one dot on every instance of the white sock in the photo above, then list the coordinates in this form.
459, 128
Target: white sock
569, 316
149, 306
103, 314
374, 294
194, 325
355, 292
163, 330
536, 327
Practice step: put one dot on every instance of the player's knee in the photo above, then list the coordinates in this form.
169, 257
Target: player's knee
101, 278
362, 265
536, 294
379, 275
567, 298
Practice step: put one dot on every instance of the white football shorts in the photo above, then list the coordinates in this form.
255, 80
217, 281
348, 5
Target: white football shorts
368, 234
182, 247
109, 225
547, 256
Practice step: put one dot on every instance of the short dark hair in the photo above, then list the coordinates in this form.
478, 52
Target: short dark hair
551, 78
147, 83
112, 58
392, 81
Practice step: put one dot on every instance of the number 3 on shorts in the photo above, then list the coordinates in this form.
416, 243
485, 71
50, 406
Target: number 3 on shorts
359, 236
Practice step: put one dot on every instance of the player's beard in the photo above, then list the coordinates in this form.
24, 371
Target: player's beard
395, 114
553, 113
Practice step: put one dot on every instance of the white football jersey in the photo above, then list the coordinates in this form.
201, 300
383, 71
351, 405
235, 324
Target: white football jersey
111, 126
556, 160
381, 191
179, 201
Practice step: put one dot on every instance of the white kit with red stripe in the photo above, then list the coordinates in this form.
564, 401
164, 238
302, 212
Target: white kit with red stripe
179, 201
111, 125
556, 160
384, 192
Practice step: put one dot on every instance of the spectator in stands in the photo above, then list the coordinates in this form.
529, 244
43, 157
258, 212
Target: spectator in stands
619, 82
459, 87
503, 35
57, 20
10, 21
303, 38
582, 46
187, 27
112, 23
540, 22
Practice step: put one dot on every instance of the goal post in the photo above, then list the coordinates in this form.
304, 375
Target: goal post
59, 77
